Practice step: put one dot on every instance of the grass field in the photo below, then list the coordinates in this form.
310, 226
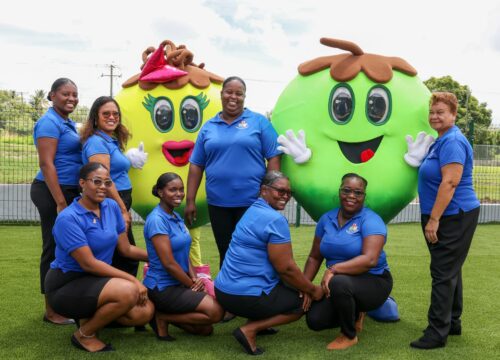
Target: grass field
23, 335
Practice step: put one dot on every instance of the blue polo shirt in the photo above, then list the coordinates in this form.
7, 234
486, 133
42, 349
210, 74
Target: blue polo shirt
246, 269
76, 227
102, 143
159, 222
339, 244
452, 147
233, 156
68, 157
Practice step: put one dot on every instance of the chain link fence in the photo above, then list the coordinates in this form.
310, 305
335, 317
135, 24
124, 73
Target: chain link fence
19, 164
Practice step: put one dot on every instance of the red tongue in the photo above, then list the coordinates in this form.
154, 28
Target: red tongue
366, 155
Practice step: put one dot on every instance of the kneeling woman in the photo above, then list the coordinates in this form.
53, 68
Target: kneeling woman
357, 279
259, 260
173, 286
81, 283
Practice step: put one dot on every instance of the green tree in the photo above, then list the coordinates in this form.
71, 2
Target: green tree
15, 114
471, 112
39, 103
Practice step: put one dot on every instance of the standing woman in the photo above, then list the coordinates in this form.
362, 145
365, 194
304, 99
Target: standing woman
56, 184
450, 211
104, 138
232, 148
174, 288
81, 282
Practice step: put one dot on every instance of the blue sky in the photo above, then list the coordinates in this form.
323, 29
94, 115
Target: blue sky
261, 41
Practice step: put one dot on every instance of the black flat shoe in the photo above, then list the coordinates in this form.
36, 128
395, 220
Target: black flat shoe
154, 326
455, 330
268, 331
427, 343
228, 318
78, 345
241, 338
65, 322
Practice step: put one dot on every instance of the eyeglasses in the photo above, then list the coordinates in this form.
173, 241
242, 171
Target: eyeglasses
107, 114
98, 182
281, 192
347, 192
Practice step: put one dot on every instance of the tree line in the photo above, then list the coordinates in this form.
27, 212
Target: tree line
17, 114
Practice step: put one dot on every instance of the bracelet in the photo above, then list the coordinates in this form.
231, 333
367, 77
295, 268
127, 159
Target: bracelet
333, 270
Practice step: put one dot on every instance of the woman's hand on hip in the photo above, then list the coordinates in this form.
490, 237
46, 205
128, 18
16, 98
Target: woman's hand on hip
430, 230
143, 294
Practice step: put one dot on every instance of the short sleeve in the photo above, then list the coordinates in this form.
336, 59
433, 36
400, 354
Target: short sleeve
373, 225
269, 138
93, 146
278, 231
46, 128
320, 227
157, 226
198, 156
452, 151
68, 233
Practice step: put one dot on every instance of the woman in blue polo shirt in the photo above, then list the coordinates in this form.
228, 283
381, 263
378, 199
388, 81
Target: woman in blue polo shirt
232, 149
258, 262
174, 288
81, 283
450, 212
357, 278
104, 138
56, 184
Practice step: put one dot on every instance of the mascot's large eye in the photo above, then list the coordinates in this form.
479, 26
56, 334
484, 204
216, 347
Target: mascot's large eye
341, 104
378, 105
163, 114
191, 114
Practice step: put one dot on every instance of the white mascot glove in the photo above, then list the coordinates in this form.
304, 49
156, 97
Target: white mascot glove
137, 156
295, 146
417, 150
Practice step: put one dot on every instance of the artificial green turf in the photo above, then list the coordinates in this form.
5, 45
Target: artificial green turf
24, 335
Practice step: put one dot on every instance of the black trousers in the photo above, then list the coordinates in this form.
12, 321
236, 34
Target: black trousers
455, 234
349, 295
223, 221
47, 208
120, 262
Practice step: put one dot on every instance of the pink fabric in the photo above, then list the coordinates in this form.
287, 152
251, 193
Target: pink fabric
157, 70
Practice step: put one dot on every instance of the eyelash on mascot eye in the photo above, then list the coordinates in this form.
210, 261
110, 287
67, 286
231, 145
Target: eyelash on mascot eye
150, 101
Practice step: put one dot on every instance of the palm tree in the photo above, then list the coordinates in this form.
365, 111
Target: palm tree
39, 103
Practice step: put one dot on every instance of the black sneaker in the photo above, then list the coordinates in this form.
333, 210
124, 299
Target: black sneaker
427, 343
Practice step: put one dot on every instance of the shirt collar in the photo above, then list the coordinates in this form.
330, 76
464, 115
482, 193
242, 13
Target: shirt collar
80, 210
448, 133
175, 217
105, 136
245, 114
333, 216
67, 121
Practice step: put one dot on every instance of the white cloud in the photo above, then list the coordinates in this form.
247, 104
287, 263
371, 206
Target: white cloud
262, 41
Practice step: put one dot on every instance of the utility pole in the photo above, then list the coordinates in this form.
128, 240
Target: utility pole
111, 75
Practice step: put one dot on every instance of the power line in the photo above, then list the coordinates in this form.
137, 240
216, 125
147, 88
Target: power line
111, 75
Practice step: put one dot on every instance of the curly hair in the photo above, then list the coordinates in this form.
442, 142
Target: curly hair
89, 128
447, 98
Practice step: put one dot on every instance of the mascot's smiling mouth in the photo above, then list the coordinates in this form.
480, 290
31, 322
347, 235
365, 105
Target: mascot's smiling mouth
177, 152
360, 152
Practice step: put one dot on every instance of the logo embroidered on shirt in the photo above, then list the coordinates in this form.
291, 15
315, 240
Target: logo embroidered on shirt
242, 125
353, 229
